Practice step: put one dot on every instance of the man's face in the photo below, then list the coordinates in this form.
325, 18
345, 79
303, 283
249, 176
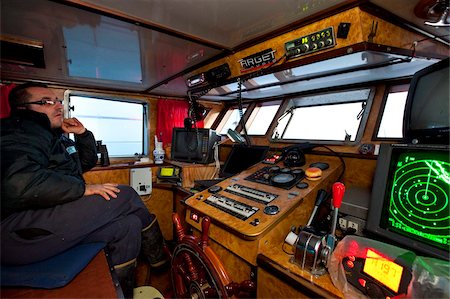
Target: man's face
55, 113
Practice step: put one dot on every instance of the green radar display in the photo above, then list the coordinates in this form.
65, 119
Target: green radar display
419, 197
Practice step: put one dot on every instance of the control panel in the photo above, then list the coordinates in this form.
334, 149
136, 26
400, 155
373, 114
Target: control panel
310, 43
251, 202
231, 206
251, 193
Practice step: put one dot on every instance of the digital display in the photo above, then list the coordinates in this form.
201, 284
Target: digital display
418, 198
386, 272
167, 171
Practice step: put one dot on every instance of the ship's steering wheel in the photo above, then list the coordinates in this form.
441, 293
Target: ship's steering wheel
196, 270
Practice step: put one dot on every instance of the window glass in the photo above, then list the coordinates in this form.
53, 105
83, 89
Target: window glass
266, 79
120, 125
210, 118
261, 118
337, 117
391, 125
92, 49
326, 122
230, 120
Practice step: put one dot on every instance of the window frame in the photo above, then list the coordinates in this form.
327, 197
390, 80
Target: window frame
120, 98
311, 100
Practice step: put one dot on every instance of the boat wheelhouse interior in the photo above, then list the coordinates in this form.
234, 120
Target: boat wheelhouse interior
289, 149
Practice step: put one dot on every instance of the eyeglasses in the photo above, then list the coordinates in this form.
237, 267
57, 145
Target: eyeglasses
44, 102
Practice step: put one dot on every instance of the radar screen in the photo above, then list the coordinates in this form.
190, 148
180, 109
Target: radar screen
419, 197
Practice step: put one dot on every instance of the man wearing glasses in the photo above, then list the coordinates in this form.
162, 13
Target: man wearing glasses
46, 206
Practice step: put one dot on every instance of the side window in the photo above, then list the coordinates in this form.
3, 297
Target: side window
119, 123
335, 117
261, 118
391, 122
230, 120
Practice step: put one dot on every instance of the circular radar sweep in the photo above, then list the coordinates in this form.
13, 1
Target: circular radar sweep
420, 199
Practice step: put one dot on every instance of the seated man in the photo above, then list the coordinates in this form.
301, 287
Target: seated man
46, 206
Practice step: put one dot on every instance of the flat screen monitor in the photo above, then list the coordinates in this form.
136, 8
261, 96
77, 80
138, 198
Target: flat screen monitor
193, 145
410, 201
242, 157
426, 119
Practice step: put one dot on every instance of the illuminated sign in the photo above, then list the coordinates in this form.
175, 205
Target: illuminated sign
257, 61
386, 272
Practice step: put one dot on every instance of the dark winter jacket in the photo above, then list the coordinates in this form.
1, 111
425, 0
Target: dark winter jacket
40, 167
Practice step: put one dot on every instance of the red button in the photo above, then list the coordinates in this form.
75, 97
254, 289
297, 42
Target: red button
350, 264
362, 282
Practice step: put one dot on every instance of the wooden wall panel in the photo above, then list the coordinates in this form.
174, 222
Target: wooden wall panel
395, 36
160, 203
116, 176
191, 172
270, 286
237, 268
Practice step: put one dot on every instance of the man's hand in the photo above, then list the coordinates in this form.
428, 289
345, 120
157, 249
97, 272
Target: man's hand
107, 190
73, 125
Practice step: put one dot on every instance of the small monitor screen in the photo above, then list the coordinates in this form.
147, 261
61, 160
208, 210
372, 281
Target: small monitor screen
426, 119
242, 157
431, 101
188, 144
418, 196
193, 145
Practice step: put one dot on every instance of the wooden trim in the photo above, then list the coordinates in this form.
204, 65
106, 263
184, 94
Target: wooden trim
296, 282
390, 17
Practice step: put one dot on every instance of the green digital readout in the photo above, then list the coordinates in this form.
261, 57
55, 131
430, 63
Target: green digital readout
419, 198
310, 43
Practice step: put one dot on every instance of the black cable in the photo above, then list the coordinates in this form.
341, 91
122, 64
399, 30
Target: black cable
241, 113
340, 158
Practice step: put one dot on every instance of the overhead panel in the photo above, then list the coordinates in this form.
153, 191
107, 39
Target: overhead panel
321, 52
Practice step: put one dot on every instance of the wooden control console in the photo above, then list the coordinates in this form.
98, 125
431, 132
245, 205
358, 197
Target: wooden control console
251, 219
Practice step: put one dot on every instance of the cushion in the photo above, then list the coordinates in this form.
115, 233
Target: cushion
54, 272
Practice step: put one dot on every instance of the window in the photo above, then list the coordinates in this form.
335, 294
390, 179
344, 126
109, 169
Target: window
121, 124
337, 117
91, 50
391, 124
230, 120
261, 118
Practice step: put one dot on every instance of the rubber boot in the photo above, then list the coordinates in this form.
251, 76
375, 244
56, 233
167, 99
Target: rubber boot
152, 244
126, 274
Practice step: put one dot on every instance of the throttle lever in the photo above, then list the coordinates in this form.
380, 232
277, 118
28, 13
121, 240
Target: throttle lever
321, 197
338, 194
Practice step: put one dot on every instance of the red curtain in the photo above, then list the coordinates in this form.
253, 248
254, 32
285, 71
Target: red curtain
4, 104
171, 114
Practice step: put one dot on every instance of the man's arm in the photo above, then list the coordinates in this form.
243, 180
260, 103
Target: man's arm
27, 178
87, 151
84, 142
